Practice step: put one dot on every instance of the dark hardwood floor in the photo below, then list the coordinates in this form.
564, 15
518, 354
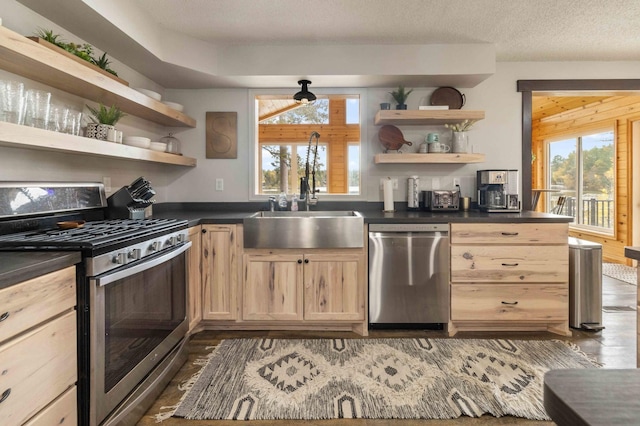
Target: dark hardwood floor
615, 347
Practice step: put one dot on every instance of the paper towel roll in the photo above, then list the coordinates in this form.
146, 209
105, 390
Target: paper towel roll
387, 189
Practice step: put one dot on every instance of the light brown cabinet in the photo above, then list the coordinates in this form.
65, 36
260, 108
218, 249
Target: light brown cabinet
194, 278
38, 347
320, 285
219, 272
272, 289
509, 276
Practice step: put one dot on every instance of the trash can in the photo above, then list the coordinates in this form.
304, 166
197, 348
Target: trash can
585, 285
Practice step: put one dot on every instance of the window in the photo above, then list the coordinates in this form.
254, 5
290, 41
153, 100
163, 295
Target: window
582, 170
284, 151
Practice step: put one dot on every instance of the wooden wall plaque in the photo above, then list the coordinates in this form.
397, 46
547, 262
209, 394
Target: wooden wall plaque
222, 135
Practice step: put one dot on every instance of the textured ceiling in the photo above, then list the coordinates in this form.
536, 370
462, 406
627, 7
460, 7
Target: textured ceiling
522, 30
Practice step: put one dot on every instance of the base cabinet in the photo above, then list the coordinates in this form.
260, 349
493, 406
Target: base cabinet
38, 350
509, 276
194, 278
309, 287
219, 271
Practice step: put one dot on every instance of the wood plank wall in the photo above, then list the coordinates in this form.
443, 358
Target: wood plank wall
616, 111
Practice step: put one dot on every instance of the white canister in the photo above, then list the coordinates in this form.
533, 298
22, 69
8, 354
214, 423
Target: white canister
413, 184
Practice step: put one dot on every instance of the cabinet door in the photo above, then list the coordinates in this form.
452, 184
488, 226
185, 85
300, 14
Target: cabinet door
194, 272
219, 272
333, 288
272, 287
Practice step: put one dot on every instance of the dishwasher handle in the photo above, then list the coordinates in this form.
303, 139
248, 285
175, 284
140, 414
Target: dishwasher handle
409, 227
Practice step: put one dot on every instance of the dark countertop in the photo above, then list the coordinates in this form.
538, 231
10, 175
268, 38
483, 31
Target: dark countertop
16, 267
230, 213
595, 397
632, 252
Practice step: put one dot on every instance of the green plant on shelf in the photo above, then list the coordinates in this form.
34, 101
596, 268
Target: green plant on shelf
83, 51
103, 115
401, 95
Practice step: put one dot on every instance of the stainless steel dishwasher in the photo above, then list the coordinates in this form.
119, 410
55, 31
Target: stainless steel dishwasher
409, 275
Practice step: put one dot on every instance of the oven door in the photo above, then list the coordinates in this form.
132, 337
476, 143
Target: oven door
137, 315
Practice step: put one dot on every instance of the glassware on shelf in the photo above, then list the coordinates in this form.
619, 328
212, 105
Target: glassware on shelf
173, 144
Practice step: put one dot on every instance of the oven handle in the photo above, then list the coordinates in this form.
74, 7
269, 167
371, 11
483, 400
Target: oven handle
118, 275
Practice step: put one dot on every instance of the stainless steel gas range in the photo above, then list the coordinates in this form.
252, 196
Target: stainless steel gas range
131, 284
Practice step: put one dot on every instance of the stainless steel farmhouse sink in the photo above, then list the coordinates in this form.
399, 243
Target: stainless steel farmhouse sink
304, 229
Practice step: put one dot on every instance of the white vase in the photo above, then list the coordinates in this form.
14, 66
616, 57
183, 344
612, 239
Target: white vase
460, 142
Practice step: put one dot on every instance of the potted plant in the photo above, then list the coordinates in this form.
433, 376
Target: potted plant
103, 121
400, 96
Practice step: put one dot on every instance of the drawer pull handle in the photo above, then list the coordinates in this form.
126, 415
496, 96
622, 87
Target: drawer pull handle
4, 316
510, 264
510, 234
5, 395
509, 303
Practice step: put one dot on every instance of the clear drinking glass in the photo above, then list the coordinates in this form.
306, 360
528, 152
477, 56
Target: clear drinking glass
38, 104
12, 99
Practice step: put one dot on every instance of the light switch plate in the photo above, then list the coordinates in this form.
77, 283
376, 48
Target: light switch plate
219, 184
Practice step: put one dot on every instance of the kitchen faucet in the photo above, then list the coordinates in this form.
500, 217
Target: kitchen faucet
305, 190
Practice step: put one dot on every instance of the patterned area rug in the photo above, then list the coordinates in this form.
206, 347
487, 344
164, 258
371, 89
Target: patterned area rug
620, 272
269, 379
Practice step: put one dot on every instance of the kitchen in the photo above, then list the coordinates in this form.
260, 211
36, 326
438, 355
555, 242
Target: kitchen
177, 184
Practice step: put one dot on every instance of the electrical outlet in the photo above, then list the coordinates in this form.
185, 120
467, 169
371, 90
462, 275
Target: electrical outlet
106, 181
219, 184
456, 181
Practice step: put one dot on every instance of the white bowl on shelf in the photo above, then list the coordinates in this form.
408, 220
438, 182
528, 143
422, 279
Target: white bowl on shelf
174, 105
138, 141
150, 93
158, 146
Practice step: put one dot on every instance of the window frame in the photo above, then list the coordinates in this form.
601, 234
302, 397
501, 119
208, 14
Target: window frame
253, 160
577, 136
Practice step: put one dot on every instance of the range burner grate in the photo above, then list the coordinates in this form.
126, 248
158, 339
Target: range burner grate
91, 234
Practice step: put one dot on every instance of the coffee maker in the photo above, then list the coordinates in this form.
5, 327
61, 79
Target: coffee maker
498, 190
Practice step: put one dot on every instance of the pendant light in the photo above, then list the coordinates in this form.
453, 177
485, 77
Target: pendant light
304, 96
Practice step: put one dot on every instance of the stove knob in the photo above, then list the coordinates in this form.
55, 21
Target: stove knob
172, 240
155, 246
181, 238
135, 254
120, 259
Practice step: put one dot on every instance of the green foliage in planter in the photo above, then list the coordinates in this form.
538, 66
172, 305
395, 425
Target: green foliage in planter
400, 95
104, 115
83, 51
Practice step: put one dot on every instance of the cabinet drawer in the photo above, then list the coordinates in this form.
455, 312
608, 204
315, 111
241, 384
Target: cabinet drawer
31, 302
509, 264
63, 411
509, 233
498, 302
37, 367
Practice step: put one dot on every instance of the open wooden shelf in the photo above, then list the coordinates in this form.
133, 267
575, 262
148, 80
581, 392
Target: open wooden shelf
17, 136
29, 59
426, 117
428, 158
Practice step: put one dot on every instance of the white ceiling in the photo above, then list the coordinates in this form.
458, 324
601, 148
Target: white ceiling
522, 30
517, 30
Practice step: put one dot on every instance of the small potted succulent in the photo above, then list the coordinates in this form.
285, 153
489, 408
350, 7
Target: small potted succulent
103, 121
400, 96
